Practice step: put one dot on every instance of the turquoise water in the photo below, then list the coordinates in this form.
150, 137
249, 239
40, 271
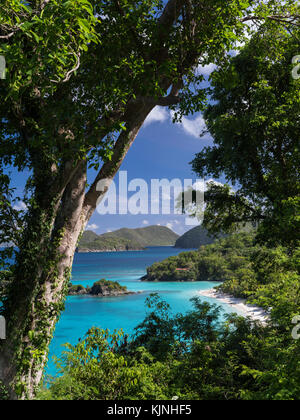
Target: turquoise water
83, 312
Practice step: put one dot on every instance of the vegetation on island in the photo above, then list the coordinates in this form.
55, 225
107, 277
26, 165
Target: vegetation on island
77, 289
246, 269
127, 239
101, 288
226, 259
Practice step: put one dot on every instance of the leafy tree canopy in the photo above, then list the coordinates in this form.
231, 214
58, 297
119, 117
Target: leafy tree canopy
254, 121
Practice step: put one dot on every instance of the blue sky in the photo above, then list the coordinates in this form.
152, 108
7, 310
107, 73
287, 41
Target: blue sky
162, 150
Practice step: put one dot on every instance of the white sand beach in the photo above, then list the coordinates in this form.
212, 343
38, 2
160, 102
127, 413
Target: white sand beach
239, 305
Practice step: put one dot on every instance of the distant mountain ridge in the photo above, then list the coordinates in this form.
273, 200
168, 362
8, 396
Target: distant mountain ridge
195, 238
199, 236
127, 239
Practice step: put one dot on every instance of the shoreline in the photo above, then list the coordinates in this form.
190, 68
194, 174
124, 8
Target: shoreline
94, 251
244, 309
91, 251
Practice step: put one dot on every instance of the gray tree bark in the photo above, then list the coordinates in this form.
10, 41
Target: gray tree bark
38, 290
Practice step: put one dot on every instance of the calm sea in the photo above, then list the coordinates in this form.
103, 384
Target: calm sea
82, 313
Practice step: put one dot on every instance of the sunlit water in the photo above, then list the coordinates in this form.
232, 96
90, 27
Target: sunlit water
83, 312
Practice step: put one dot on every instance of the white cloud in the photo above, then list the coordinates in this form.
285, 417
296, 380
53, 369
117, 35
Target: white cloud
158, 114
92, 226
203, 185
192, 127
20, 206
170, 225
206, 70
173, 222
176, 225
192, 222
145, 222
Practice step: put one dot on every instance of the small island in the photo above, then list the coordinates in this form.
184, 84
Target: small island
102, 288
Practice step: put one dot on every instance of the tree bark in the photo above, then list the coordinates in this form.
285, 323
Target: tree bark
38, 289
43, 269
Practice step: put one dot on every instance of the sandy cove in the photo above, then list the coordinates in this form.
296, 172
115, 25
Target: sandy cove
254, 312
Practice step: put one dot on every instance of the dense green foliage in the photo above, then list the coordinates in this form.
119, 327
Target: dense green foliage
100, 287
225, 259
113, 285
254, 121
195, 355
124, 239
247, 270
190, 356
180, 268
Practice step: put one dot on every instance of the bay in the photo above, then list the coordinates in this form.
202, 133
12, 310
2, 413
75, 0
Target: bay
114, 313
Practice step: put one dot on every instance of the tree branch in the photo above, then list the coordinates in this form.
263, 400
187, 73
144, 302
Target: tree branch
44, 4
8, 35
160, 101
286, 19
136, 115
137, 110
171, 12
69, 74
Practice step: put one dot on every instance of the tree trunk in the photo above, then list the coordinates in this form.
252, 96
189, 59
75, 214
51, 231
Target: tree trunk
38, 289
43, 269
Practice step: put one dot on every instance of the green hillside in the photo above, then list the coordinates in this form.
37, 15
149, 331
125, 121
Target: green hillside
227, 259
89, 236
127, 239
195, 238
199, 236
148, 236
